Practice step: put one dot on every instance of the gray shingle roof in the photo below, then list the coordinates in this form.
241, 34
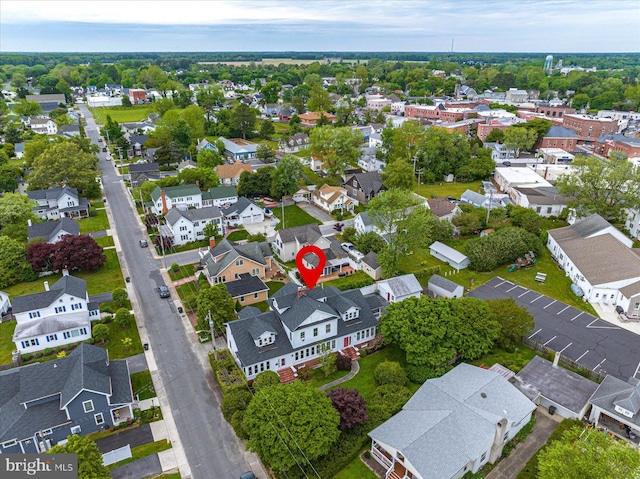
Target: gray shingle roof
199, 214
50, 325
238, 207
52, 193
247, 284
369, 182
589, 225
254, 251
302, 309
304, 234
144, 168
560, 132
49, 229
403, 285
613, 391
67, 284
543, 195
371, 258
444, 283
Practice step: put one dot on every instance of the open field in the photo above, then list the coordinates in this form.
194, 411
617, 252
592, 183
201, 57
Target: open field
294, 216
454, 190
122, 114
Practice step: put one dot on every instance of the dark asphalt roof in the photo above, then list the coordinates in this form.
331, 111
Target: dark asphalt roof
444, 283
67, 284
247, 284
144, 167
49, 229
369, 182
560, 132
304, 234
238, 207
52, 193
371, 258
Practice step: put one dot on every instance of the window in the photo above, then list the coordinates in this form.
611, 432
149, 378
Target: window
99, 418
302, 336
239, 262
35, 314
183, 228
328, 328
52, 337
242, 299
483, 457
597, 295
250, 370
13, 442
255, 295
47, 432
255, 271
88, 405
315, 332
60, 309
76, 429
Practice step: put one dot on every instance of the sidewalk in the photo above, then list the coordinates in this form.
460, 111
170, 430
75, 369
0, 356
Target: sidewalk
608, 313
355, 369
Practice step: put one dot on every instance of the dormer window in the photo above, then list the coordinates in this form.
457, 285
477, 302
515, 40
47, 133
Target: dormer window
623, 411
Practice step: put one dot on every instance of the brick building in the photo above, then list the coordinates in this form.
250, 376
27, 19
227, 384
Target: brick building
589, 127
555, 111
629, 147
559, 137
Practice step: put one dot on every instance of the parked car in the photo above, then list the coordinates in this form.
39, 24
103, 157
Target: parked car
164, 291
347, 246
506, 163
247, 475
143, 243
104, 149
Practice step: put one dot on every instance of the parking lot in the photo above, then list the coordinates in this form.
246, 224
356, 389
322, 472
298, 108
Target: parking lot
588, 340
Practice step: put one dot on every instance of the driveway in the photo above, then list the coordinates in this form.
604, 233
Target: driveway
590, 341
145, 467
134, 437
137, 363
316, 212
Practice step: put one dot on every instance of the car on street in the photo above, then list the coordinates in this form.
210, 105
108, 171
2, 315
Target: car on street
248, 475
506, 163
347, 246
104, 149
164, 291
143, 243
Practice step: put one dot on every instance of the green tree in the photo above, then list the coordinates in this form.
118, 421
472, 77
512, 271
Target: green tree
285, 421
478, 167
515, 321
270, 91
126, 101
327, 360
119, 296
18, 80
27, 108
403, 142
443, 152
539, 125
588, 454
112, 130
256, 184
495, 135
13, 263
15, 211
217, 301
367, 242
390, 372
210, 230
90, 464
580, 100
205, 178
265, 153
9, 175
123, 317
501, 247
243, 120
266, 129
319, 99
100, 332
603, 187
337, 148
525, 218
286, 176
398, 174
265, 379
517, 139
194, 116
208, 158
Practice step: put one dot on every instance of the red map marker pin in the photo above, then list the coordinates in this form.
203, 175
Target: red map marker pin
311, 276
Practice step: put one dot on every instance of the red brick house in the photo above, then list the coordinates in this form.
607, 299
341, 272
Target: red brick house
589, 127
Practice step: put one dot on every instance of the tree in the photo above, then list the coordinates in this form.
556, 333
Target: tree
517, 139
39, 255
603, 187
127, 342
205, 178
119, 296
123, 317
90, 464
501, 247
539, 125
286, 176
265, 379
101, 332
77, 253
13, 263
285, 421
211, 230
390, 372
588, 454
367, 242
398, 174
64, 163
208, 158
217, 301
126, 101
169, 154
112, 130
434, 332
525, 218
194, 116
270, 91
266, 129
580, 100
478, 167
265, 153
9, 178
442, 152
350, 405
515, 322
335, 147
243, 119
403, 142
319, 99
496, 135
256, 184
237, 399
327, 360
15, 211
27, 108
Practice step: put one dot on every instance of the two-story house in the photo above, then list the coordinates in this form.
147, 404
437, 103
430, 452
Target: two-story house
229, 175
331, 198
294, 143
364, 186
42, 404
141, 172
243, 212
185, 226
57, 203
52, 231
227, 261
180, 197
239, 149
220, 196
44, 126
59, 315
300, 327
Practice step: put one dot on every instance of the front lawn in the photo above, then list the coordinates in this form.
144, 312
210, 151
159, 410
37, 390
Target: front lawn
6, 341
122, 114
142, 385
319, 379
185, 247
97, 221
105, 241
454, 190
238, 235
356, 470
311, 175
115, 347
184, 272
293, 216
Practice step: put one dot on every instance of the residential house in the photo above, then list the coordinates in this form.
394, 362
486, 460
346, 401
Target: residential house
421, 441
369, 162
331, 198
19, 150
289, 241
42, 404
311, 118
48, 102
452, 257
399, 288
508, 177
239, 149
205, 144
57, 203
70, 130
442, 208
59, 315
230, 174
113, 89
632, 224
185, 226
516, 96
295, 143
270, 109
601, 261
544, 199
247, 290
243, 212
52, 231
5, 303
285, 114
552, 386
363, 224
186, 164
228, 260
615, 406
441, 287
137, 96
220, 196
300, 327
141, 172
181, 197
44, 126
370, 265
137, 145
364, 186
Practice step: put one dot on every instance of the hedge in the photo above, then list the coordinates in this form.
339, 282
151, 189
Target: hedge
501, 247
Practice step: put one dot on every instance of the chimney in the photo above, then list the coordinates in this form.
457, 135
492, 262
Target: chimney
212, 242
556, 359
302, 292
65, 272
28, 222
164, 202
46, 285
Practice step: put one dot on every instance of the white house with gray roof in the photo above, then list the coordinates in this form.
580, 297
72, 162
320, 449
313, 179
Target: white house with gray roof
52, 231
616, 406
452, 425
243, 212
185, 226
59, 315
181, 197
42, 404
441, 287
599, 259
297, 328
5, 303
55, 203
220, 196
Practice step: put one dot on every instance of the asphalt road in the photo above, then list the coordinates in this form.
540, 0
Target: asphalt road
209, 442
592, 342
134, 437
146, 467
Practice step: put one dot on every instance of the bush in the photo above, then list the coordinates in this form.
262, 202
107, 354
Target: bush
390, 372
26, 356
427, 272
237, 399
387, 400
501, 247
236, 424
175, 267
39, 354
305, 373
229, 379
355, 282
343, 363
264, 379
90, 341
349, 235
419, 374
47, 351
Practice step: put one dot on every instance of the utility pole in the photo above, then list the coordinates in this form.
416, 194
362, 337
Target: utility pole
164, 261
213, 338
282, 201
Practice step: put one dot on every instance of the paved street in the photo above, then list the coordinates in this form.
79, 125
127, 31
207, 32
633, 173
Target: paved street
182, 383
590, 341
146, 467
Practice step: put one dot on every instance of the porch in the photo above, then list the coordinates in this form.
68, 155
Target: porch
394, 469
612, 426
121, 414
337, 273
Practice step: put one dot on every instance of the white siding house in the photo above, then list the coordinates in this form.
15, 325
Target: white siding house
185, 226
452, 257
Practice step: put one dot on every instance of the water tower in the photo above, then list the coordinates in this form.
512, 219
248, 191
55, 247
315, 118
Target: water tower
548, 64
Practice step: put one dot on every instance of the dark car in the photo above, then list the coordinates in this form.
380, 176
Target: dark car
104, 149
143, 243
164, 291
248, 475
506, 163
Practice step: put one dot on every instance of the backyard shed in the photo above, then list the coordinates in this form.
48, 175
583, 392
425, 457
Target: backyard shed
452, 257
443, 288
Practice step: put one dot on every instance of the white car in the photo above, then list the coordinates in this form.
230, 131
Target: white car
347, 246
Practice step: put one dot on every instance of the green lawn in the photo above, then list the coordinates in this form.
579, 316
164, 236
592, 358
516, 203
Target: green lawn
6, 341
142, 451
446, 189
105, 241
238, 235
514, 361
318, 379
117, 334
356, 470
355, 278
293, 216
184, 272
142, 385
313, 177
273, 287
122, 114
97, 221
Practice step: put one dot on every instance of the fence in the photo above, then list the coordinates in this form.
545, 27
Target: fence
116, 455
565, 361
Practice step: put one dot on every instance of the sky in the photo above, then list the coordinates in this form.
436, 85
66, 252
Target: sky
322, 25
